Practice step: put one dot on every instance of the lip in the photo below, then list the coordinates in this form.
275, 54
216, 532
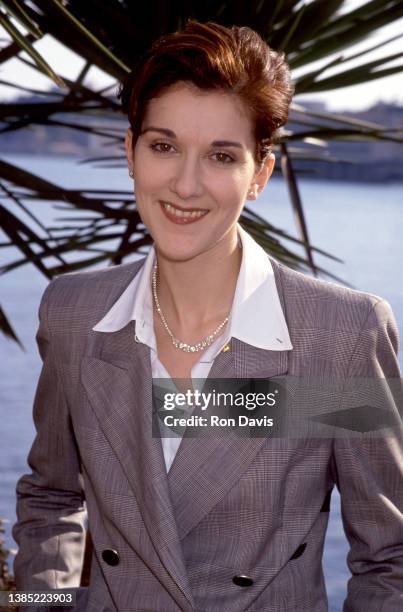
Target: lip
181, 220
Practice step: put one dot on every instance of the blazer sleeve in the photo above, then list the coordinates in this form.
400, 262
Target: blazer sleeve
369, 476
51, 515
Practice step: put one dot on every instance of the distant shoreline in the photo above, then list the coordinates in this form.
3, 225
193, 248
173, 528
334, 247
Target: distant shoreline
374, 171
363, 161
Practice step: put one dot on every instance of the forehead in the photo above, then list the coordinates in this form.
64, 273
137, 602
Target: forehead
200, 116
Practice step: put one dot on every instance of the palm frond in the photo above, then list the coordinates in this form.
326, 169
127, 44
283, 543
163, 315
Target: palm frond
7, 329
25, 45
104, 225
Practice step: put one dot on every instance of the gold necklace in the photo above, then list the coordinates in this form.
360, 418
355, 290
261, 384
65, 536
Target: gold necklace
183, 346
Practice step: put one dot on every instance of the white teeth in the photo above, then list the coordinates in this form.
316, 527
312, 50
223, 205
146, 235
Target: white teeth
181, 213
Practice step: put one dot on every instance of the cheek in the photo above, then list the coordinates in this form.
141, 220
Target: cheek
151, 180
146, 183
232, 190
144, 188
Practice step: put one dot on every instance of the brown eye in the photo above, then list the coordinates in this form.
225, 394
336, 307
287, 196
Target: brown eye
161, 147
223, 158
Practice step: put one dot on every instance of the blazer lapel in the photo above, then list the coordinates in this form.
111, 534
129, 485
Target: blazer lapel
204, 470
117, 377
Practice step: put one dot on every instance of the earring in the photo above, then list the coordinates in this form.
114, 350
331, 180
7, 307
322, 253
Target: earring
131, 174
251, 193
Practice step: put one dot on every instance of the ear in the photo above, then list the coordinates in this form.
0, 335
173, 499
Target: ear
129, 149
261, 177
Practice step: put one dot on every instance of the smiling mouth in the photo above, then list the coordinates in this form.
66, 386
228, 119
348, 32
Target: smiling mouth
180, 216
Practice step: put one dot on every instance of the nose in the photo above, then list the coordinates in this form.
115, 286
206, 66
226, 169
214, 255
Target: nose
186, 180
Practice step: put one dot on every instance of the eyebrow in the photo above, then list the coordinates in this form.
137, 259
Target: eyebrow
171, 134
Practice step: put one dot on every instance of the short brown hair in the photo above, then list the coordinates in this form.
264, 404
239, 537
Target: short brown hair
211, 56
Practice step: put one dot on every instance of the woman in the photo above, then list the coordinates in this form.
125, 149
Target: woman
224, 523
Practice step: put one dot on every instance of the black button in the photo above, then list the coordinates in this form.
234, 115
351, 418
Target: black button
242, 580
110, 556
326, 502
300, 551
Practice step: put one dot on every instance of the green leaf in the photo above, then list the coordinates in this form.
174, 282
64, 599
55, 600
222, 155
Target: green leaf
370, 49
350, 31
26, 46
31, 91
288, 172
17, 11
335, 117
282, 44
15, 229
260, 224
83, 30
303, 83
45, 190
13, 49
304, 24
355, 76
7, 329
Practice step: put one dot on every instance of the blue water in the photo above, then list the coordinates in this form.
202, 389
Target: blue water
361, 224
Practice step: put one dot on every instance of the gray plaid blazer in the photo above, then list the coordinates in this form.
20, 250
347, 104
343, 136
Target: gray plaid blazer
237, 524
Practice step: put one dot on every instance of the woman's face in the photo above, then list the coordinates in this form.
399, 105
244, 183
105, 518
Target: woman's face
194, 166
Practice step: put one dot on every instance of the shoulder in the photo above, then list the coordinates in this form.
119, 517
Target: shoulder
86, 296
322, 304
329, 323
336, 330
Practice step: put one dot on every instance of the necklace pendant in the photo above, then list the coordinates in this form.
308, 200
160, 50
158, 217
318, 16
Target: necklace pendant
183, 346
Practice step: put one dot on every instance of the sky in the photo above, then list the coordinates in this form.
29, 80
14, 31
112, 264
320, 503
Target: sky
359, 97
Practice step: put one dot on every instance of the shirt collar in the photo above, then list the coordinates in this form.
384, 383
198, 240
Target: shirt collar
256, 316
135, 304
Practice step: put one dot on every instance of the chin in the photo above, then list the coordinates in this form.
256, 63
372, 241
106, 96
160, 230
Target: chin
177, 252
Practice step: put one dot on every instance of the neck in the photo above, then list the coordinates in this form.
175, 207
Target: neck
196, 295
